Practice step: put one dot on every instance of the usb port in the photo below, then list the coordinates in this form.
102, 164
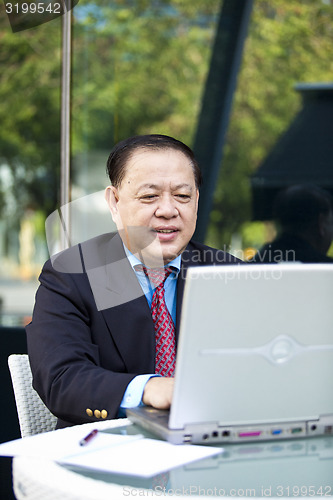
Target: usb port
187, 438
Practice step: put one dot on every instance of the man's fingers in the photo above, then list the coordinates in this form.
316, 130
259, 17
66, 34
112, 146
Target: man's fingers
158, 392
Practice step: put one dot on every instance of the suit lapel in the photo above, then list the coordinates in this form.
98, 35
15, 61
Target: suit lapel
119, 297
132, 329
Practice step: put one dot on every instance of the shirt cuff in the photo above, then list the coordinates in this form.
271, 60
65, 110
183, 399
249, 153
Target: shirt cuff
133, 394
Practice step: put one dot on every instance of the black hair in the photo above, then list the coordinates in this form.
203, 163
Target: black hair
121, 153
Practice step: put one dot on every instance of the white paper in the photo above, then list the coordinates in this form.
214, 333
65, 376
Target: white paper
143, 457
61, 443
123, 454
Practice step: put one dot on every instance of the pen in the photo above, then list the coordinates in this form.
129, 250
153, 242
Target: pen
88, 438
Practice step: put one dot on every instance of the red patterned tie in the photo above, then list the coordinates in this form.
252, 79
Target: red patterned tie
165, 341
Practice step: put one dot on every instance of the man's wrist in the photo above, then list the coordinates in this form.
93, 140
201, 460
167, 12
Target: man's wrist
134, 391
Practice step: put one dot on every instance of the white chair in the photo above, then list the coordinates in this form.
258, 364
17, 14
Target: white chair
34, 417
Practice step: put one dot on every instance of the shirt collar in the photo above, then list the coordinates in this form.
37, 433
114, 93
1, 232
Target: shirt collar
133, 260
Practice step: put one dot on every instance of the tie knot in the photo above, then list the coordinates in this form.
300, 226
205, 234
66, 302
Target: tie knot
156, 275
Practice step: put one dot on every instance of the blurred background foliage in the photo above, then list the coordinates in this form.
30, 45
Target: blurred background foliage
140, 67
29, 116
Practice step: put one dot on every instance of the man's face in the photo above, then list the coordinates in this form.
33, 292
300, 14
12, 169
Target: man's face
155, 207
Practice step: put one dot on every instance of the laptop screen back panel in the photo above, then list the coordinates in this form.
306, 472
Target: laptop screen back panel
255, 346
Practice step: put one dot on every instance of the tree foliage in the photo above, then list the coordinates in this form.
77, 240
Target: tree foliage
29, 115
138, 67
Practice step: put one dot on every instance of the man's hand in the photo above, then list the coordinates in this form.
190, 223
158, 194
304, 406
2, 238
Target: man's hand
158, 392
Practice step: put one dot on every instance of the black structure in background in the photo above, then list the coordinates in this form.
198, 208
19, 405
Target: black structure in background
12, 341
217, 100
304, 153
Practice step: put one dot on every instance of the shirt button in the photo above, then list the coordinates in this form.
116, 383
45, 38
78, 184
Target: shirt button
89, 412
104, 413
97, 414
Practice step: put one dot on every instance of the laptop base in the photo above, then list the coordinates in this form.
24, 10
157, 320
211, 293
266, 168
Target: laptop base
212, 433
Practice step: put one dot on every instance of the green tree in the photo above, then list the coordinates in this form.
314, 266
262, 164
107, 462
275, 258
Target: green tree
30, 116
139, 67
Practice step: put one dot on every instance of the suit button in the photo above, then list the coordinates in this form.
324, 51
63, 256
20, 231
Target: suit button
97, 414
89, 412
104, 413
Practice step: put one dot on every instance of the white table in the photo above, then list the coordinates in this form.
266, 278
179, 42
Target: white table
289, 469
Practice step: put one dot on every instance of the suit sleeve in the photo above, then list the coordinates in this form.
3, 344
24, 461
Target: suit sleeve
76, 368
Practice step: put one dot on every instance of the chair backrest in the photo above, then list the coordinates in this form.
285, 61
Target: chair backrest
34, 417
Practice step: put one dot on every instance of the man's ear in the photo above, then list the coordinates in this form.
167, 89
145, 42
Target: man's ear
111, 196
197, 199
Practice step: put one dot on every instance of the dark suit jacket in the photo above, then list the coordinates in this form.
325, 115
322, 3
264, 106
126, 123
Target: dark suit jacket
92, 330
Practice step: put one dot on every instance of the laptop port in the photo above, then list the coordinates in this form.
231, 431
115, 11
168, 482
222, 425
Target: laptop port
276, 432
215, 434
328, 429
225, 434
249, 434
187, 438
296, 430
205, 436
313, 427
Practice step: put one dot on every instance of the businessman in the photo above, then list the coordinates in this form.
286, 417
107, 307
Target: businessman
104, 331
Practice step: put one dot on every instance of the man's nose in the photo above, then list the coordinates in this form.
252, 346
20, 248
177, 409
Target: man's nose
166, 207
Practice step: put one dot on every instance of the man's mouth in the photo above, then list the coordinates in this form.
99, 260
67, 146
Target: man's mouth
166, 234
166, 231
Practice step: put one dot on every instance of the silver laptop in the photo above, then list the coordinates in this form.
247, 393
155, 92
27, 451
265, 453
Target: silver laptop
254, 358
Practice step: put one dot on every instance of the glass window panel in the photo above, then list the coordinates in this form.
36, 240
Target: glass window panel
138, 67
288, 52
30, 62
